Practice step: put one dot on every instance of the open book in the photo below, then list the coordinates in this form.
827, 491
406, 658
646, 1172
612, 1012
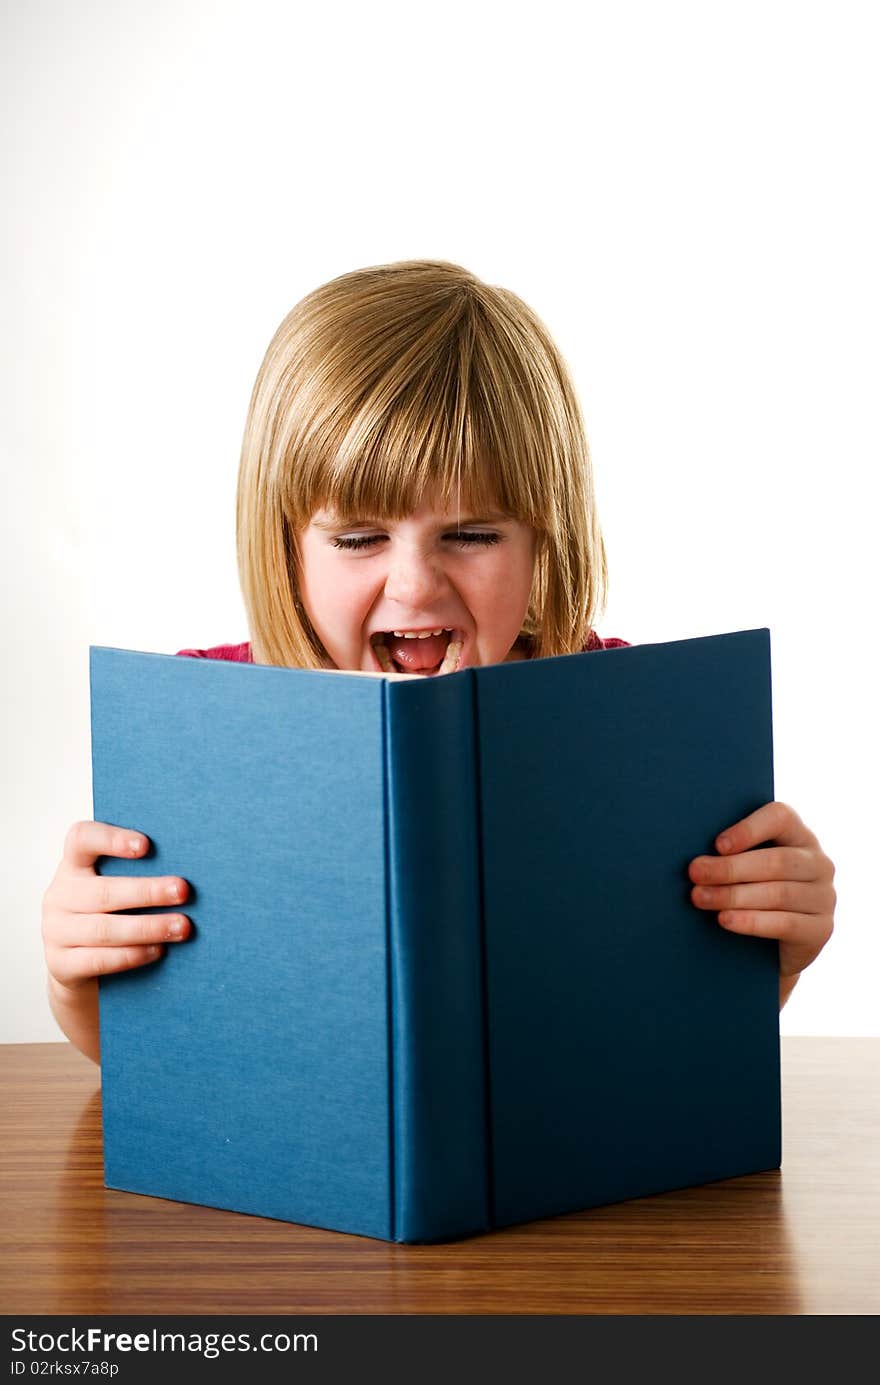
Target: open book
446, 974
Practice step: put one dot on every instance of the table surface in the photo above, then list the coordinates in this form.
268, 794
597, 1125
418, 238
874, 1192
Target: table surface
803, 1239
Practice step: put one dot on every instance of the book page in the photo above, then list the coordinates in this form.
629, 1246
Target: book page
369, 673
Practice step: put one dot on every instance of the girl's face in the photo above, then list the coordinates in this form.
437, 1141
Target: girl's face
373, 589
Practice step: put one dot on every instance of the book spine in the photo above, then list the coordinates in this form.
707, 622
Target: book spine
440, 1161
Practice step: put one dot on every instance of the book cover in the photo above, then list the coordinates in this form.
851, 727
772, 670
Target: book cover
445, 974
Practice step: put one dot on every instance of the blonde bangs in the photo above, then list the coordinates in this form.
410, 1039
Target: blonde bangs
425, 410
405, 384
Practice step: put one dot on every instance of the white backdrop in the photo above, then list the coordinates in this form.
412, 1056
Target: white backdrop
685, 193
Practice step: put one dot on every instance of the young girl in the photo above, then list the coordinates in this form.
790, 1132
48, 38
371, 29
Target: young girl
415, 495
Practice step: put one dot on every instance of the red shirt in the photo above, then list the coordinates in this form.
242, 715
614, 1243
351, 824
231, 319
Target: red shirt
241, 653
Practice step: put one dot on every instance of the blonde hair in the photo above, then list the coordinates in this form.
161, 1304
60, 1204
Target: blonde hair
403, 381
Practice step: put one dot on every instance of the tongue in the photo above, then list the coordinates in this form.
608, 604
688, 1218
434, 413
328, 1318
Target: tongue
417, 654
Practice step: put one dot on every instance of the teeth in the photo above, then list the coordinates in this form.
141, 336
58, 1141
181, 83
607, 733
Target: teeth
416, 634
451, 658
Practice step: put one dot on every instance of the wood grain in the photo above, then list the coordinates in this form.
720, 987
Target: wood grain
803, 1240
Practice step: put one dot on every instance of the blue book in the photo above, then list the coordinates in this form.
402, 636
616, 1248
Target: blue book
446, 974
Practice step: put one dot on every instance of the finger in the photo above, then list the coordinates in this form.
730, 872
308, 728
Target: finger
766, 895
71, 965
116, 930
807, 930
87, 893
86, 841
770, 863
773, 822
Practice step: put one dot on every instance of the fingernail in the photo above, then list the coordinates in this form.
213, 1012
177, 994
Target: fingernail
135, 844
723, 843
175, 928
152, 952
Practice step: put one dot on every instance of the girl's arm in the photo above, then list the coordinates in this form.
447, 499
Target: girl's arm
786, 986
76, 1012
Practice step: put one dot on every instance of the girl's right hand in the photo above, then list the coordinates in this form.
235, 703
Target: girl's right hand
82, 936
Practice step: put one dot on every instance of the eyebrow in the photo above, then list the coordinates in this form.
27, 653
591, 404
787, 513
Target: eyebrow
331, 525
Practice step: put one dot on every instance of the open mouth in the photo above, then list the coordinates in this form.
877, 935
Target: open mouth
424, 653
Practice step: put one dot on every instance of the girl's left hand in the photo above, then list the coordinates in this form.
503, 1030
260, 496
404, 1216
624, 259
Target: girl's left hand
782, 892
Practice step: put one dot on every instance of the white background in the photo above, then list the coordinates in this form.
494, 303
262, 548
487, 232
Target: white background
685, 193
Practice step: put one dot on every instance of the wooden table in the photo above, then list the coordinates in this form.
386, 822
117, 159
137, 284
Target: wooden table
805, 1239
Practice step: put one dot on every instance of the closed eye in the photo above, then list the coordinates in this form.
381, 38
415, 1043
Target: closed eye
464, 538
469, 536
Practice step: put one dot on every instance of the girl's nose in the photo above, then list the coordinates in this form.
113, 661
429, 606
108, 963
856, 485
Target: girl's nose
414, 579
